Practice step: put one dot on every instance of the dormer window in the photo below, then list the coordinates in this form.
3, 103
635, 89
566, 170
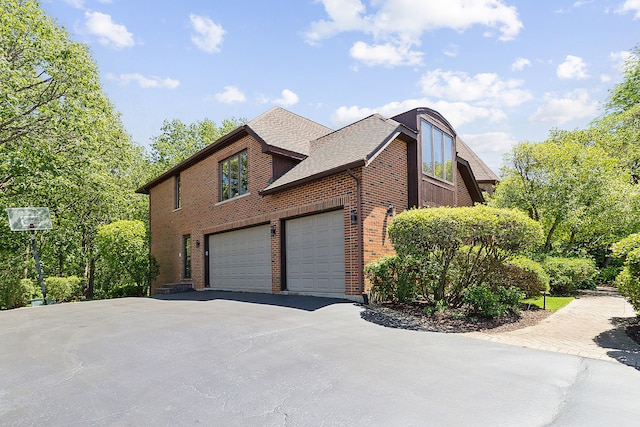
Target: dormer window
437, 152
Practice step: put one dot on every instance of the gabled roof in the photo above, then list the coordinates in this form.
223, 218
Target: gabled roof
283, 129
352, 146
278, 130
481, 171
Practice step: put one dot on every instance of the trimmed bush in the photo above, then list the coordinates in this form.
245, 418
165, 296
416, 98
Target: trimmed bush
393, 279
569, 274
628, 281
525, 274
15, 293
63, 289
122, 291
461, 247
481, 300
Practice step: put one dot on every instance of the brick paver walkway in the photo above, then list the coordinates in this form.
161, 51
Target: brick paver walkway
592, 326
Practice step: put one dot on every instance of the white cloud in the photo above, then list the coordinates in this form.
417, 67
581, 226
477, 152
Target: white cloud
287, 99
230, 95
145, 82
385, 54
109, 33
401, 23
208, 35
520, 63
451, 50
485, 88
458, 113
630, 6
78, 4
490, 142
621, 59
572, 68
559, 110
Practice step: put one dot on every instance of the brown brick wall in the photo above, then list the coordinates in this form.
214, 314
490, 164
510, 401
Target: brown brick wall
384, 183
464, 198
201, 213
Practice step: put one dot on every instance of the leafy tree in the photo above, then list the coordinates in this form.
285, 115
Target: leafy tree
575, 189
626, 94
42, 72
124, 249
63, 146
178, 141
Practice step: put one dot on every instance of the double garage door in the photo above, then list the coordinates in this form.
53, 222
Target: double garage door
241, 260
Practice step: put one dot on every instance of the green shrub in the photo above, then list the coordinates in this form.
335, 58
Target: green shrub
63, 289
15, 293
525, 274
393, 279
607, 275
460, 247
629, 286
481, 300
569, 274
122, 291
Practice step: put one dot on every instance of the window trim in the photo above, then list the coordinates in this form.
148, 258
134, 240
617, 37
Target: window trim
186, 256
243, 174
177, 193
426, 125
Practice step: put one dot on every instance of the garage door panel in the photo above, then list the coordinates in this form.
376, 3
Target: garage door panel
241, 260
315, 254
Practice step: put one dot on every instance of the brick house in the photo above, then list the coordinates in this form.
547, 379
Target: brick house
286, 205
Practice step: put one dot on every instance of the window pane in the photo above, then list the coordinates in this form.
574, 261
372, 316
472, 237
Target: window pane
178, 196
233, 173
438, 154
187, 256
427, 154
243, 173
448, 158
224, 180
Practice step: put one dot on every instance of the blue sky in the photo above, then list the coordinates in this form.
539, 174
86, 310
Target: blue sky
501, 71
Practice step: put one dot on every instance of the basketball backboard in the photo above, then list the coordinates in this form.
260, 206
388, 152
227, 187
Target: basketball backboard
27, 219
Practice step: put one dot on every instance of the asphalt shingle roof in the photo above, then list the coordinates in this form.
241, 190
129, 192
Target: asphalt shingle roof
284, 129
481, 171
358, 142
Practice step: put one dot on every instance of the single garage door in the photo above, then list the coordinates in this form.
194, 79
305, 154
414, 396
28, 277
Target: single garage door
241, 260
315, 254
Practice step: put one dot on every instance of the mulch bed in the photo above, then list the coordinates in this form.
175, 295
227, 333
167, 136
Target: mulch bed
411, 316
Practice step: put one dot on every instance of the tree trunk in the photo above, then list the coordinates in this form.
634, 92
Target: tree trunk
548, 242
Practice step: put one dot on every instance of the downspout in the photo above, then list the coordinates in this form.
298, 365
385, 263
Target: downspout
359, 233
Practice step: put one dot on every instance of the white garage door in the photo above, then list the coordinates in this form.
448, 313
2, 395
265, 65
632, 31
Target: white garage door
315, 254
241, 260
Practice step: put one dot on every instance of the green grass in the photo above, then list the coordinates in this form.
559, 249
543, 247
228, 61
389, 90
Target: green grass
553, 303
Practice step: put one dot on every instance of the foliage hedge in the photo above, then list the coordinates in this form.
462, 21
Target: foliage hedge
524, 273
15, 293
628, 281
569, 274
456, 248
444, 252
63, 289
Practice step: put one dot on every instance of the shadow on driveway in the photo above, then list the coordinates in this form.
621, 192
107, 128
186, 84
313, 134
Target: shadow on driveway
300, 302
623, 348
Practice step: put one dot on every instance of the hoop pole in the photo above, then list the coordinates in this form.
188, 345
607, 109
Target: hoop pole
35, 255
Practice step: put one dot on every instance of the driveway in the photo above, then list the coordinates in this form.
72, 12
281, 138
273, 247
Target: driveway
240, 360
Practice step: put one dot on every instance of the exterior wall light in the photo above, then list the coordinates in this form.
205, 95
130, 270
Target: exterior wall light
354, 217
273, 230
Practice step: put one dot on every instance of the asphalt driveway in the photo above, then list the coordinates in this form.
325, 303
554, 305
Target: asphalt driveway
240, 360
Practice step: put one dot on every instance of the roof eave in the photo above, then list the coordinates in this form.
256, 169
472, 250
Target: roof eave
323, 174
195, 158
470, 180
